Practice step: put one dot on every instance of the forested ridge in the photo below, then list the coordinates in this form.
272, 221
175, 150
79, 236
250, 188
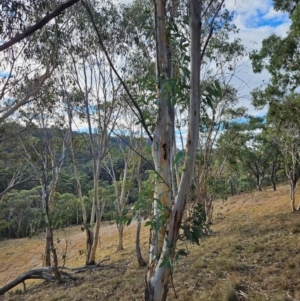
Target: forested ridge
128, 112
21, 207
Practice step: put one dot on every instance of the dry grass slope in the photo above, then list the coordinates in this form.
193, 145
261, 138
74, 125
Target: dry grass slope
253, 254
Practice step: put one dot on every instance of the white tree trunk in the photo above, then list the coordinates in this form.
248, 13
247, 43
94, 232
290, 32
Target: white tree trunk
158, 276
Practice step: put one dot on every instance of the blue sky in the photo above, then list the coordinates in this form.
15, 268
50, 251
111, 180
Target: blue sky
3, 74
256, 20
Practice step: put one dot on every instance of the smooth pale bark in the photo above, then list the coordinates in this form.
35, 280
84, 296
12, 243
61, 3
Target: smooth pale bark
292, 195
97, 156
292, 172
96, 206
140, 259
163, 135
293, 183
89, 237
121, 205
158, 277
120, 238
155, 287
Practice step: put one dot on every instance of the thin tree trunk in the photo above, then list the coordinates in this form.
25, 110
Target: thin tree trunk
88, 233
231, 188
47, 254
292, 195
54, 254
156, 286
93, 235
120, 238
121, 205
209, 209
50, 248
96, 230
140, 259
273, 172
258, 183
139, 256
158, 274
96, 205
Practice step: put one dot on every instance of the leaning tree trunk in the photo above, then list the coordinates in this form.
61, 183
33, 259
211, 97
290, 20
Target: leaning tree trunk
139, 256
158, 274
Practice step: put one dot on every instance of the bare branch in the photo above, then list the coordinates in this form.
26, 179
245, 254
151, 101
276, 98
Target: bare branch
32, 29
135, 104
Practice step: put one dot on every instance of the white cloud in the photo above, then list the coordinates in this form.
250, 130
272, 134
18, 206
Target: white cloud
256, 21
273, 14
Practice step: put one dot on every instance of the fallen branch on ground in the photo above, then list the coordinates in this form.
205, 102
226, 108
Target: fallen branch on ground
40, 273
45, 273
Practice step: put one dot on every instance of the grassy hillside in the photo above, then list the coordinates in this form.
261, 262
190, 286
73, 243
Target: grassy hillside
252, 254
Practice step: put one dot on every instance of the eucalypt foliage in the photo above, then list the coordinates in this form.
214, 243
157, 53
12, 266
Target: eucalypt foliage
123, 220
159, 220
171, 261
195, 226
212, 94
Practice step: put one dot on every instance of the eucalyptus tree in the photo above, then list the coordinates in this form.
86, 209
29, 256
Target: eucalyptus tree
280, 57
126, 130
97, 92
216, 112
272, 151
141, 150
13, 168
46, 154
21, 213
244, 144
28, 59
122, 187
168, 217
284, 130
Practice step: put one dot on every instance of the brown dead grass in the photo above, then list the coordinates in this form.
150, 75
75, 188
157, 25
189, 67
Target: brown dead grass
252, 254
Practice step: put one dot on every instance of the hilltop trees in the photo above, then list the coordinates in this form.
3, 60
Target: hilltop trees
280, 56
284, 131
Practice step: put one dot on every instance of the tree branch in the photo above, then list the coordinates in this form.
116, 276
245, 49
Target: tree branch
135, 104
32, 29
